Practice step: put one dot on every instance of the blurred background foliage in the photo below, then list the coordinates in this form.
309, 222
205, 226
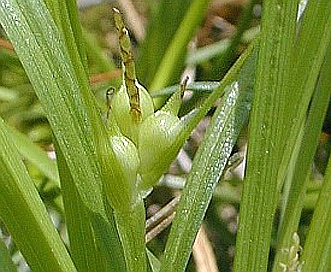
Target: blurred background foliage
224, 31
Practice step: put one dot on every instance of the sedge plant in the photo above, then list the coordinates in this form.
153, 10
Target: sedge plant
108, 161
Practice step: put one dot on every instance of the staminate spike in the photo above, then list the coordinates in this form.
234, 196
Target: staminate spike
129, 72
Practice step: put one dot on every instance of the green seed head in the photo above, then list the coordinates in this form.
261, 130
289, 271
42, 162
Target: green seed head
142, 143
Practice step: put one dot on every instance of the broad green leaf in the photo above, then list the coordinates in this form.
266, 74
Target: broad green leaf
265, 142
79, 219
65, 15
24, 214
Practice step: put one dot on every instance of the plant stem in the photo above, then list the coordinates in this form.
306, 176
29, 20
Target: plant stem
131, 228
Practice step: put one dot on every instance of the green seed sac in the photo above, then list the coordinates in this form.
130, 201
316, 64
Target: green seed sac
154, 136
143, 142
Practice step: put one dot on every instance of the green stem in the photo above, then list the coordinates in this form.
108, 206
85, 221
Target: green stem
131, 228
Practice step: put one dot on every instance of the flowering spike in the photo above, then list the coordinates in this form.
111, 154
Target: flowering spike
129, 71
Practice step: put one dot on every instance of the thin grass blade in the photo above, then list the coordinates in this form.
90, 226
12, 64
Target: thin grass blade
207, 168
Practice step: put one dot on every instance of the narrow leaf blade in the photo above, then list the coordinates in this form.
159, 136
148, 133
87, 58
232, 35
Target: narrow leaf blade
25, 215
207, 167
